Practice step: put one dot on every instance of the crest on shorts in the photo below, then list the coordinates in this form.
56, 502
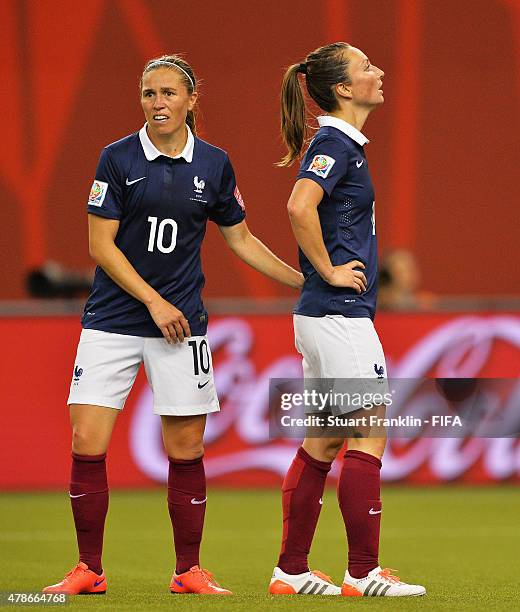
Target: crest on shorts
380, 370
97, 193
321, 165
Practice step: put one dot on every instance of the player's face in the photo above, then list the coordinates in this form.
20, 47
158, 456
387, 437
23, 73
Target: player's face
165, 100
366, 80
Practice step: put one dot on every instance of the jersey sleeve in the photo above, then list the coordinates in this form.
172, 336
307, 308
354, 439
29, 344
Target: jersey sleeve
106, 194
325, 162
230, 208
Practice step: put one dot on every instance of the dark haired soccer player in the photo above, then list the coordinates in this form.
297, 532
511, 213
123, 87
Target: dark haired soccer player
153, 193
332, 214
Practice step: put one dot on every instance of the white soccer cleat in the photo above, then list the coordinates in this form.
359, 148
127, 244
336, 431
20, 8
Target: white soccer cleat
308, 583
379, 583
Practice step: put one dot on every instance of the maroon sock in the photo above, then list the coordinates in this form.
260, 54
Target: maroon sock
359, 495
187, 506
89, 500
302, 491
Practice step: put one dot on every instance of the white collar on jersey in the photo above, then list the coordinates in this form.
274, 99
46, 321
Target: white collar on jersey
152, 152
345, 127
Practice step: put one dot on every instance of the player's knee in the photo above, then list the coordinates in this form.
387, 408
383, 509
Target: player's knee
326, 449
186, 449
379, 445
80, 439
187, 454
332, 448
380, 448
372, 446
83, 442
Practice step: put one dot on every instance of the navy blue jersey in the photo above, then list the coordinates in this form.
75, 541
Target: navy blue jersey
336, 161
163, 204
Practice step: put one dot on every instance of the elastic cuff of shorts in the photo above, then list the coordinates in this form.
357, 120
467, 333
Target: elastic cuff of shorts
184, 411
89, 458
102, 402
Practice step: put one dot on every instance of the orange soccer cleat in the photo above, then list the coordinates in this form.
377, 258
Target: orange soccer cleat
80, 581
197, 580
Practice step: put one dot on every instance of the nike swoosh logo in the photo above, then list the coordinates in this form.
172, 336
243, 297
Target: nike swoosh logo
74, 496
178, 583
372, 511
98, 582
360, 163
135, 180
201, 386
196, 501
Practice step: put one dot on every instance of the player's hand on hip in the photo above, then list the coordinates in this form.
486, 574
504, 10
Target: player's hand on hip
347, 276
170, 320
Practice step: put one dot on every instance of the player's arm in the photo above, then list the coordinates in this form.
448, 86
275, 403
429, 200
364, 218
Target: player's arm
303, 213
102, 233
253, 252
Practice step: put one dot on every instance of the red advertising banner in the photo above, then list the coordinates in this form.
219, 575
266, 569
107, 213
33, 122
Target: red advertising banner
248, 351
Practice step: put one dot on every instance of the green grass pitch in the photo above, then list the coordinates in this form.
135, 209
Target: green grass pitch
461, 543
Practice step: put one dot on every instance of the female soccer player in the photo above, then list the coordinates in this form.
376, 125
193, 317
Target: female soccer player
153, 194
332, 214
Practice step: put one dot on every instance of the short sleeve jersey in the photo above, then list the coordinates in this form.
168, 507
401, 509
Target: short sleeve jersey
336, 161
163, 204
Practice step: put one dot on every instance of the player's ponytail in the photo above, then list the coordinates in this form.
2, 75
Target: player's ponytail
292, 112
191, 122
324, 68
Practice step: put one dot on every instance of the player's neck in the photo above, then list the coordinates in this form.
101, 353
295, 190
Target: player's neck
169, 144
356, 116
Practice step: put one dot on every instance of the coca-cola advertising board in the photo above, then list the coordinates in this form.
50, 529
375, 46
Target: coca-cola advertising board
249, 351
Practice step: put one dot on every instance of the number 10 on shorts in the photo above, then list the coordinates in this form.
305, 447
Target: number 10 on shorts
201, 360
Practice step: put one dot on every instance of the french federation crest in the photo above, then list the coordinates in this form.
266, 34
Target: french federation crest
321, 165
199, 184
98, 192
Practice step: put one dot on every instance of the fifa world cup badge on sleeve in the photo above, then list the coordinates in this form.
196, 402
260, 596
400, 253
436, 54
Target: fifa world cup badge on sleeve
97, 193
321, 165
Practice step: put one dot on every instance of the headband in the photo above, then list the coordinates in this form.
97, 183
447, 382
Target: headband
167, 63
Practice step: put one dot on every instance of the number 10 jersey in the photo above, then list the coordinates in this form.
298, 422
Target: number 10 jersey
163, 204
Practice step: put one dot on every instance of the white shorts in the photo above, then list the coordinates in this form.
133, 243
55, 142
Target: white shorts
336, 347
180, 375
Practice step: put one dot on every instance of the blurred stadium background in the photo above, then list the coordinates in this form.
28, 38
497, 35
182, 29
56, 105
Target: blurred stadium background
444, 156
